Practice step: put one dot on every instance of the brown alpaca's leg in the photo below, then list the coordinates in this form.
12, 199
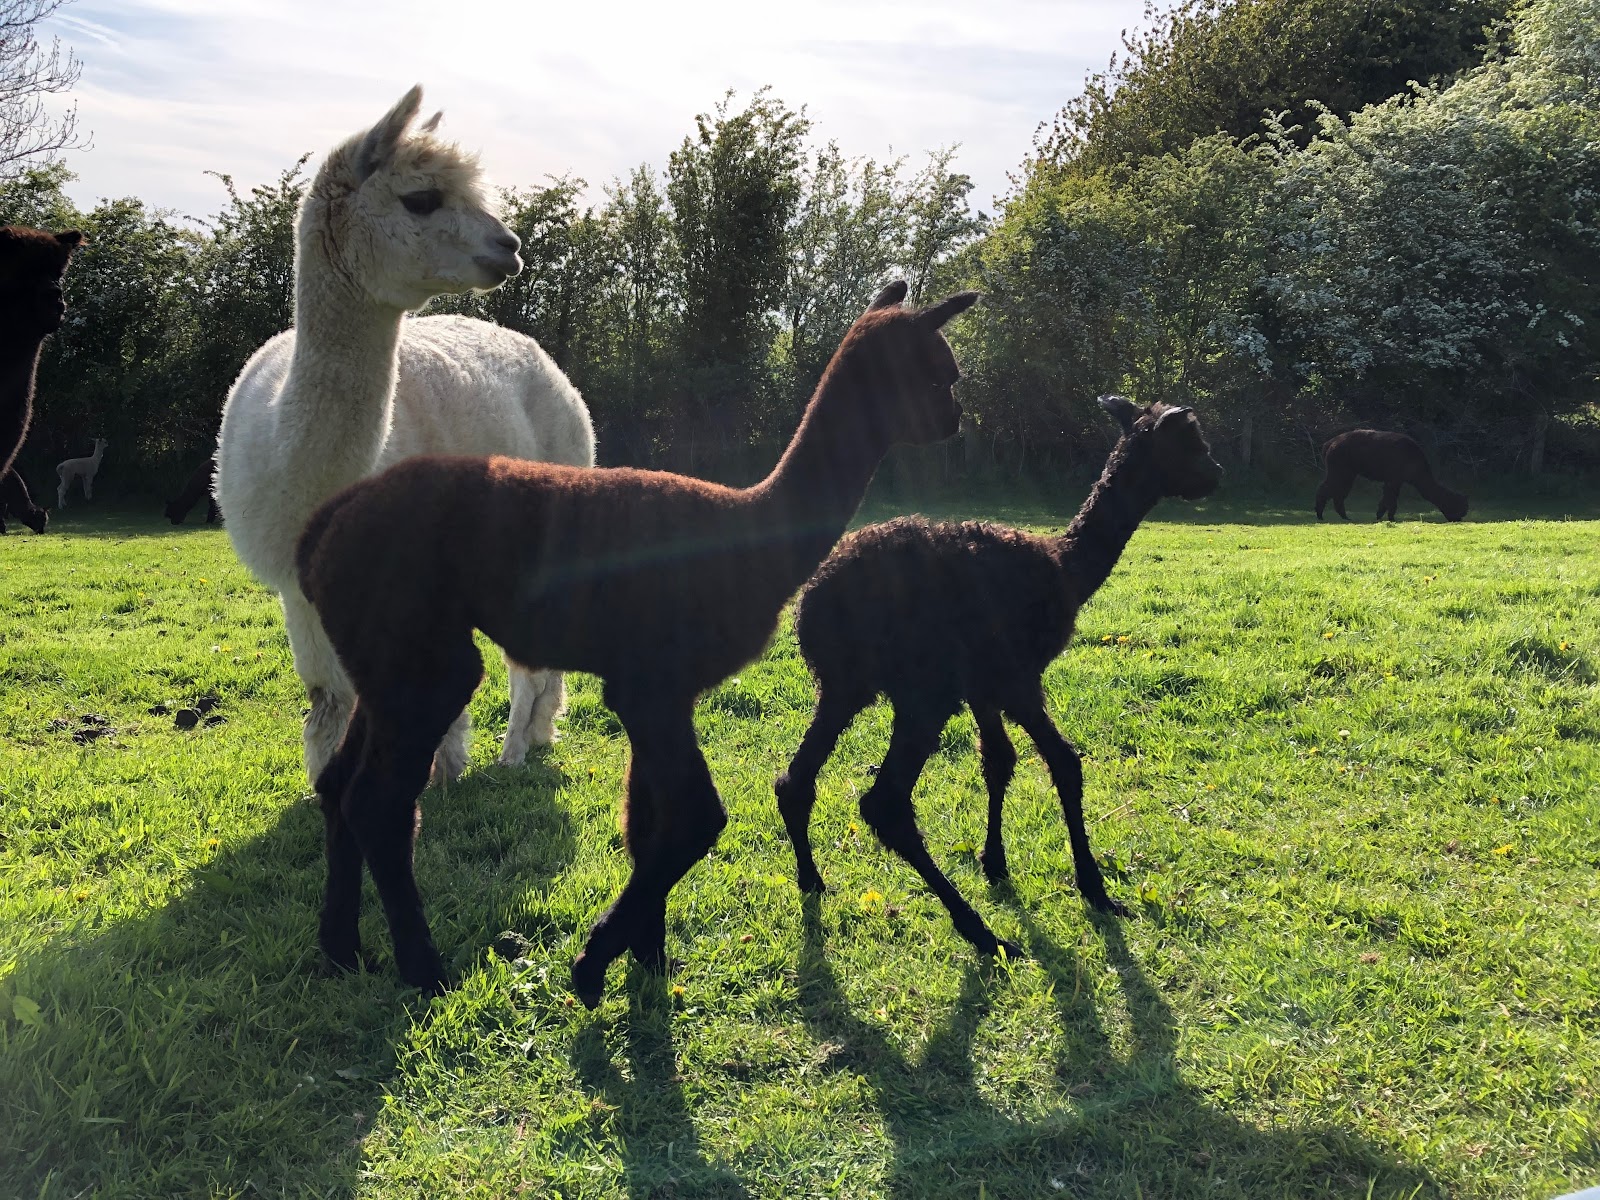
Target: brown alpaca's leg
403, 726
1337, 487
1389, 500
796, 788
1066, 772
999, 761
339, 934
887, 808
676, 822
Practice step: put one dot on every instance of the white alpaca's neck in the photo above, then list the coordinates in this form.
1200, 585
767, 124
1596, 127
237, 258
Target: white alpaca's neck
338, 398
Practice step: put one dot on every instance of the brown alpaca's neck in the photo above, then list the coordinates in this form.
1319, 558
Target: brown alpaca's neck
1127, 490
804, 505
19, 361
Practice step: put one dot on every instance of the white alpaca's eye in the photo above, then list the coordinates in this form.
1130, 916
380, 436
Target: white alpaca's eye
424, 202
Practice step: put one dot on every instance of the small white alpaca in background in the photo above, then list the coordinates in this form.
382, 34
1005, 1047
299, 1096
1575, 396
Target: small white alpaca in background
393, 218
79, 468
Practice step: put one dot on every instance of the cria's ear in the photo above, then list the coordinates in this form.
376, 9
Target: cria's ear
1171, 412
936, 315
892, 294
71, 238
378, 146
1124, 411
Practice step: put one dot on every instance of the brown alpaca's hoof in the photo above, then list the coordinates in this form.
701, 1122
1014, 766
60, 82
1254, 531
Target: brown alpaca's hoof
1012, 951
1105, 904
995, 867
588, 981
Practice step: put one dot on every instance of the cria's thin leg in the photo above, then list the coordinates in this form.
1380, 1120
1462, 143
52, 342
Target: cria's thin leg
999, 761
886, 807
1389, 501
405, 719
339, 933
536, 699
673, 819
1066, 772
796, 788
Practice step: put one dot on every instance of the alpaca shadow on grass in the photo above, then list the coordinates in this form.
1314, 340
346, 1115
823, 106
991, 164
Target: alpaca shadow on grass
655, 1132
205, 1048
949, 1138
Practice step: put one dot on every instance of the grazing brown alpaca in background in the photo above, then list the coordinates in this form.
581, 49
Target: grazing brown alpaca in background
661, 585
934, 615
198, 484
15, 501
32, 264
1393, 460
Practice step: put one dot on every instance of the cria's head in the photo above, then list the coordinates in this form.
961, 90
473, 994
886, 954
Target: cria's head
1171, 435
405, 215
909, 371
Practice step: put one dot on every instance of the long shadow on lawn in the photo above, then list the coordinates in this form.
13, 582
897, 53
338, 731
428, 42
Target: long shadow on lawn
656, 1134
1139, 1129
204, 1049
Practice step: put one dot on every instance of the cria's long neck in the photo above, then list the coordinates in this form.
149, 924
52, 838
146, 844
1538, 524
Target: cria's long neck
805, 504
1124, 495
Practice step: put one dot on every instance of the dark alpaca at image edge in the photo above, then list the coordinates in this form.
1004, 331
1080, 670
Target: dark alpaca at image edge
197, 485
15, 502
1394, 460
934, 615
32, 265
661, 585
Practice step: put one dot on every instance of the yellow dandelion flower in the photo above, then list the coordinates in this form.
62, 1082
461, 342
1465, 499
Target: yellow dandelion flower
1315, 750
677, 989
1502, 850
1564, 645
203, 579
1106, 638
213, 843
80, 896
1328, 637
854, 828
1123, 640
871, 896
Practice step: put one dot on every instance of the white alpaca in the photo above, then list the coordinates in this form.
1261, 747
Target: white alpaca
85, 469
391, 220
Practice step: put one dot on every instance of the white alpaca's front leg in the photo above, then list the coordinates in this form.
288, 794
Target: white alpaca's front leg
61, 492
328, 688
455, 750
537, 698
88, 487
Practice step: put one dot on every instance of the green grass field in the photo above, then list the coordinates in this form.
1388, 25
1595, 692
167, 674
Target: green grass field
1346, 776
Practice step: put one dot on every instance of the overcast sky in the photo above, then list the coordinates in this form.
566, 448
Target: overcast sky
173, 88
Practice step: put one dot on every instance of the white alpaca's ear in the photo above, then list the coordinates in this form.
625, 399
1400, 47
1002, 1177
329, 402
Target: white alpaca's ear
431, 123
1124, 411
380, 142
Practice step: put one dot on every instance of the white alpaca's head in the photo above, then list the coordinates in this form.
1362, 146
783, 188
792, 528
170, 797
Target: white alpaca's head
100, 445
405, 216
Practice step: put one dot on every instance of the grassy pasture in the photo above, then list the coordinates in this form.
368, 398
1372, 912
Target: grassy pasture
1346, 775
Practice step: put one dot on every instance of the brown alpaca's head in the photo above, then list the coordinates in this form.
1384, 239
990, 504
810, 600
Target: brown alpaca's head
32, 265
1453, 506
906, 366
1174, 443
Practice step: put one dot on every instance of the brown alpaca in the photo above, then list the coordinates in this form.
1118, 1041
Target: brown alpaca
15, 501
1393, 460
936, 615
661, 585
32, 265
198, 484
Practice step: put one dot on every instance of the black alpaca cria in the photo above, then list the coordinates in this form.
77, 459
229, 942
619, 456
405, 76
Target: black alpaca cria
1394, 460
15, 502
198, 484
32, 265
934, 615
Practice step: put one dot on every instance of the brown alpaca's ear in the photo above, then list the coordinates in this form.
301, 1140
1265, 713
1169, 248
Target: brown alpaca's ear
891, 295
378, 146
936, 315
1124, 411
71, 238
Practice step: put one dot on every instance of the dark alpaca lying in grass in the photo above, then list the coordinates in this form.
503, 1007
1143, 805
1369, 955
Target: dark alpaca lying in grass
32, 265
15, 501
198, 484
934, 615
1394, 460
661, 585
